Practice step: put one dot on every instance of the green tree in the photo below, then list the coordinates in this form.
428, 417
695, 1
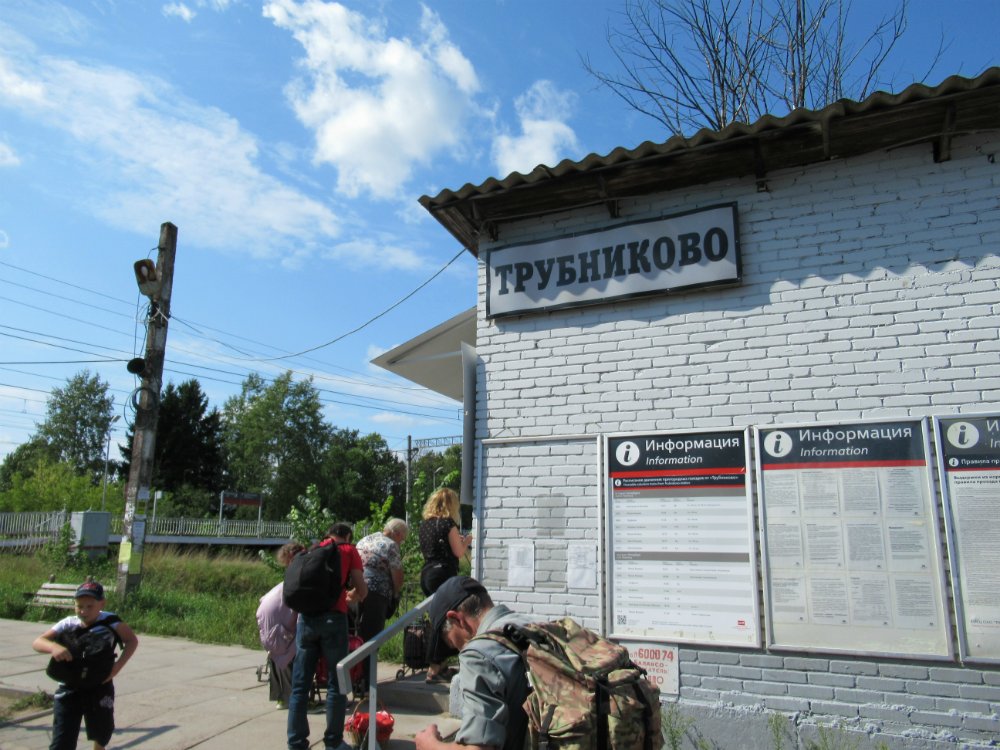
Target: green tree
24, 460
309, 517
188, 457
274, 438
358, 471
77, 422
53, 485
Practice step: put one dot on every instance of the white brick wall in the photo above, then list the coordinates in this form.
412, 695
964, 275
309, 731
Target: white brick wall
869, 290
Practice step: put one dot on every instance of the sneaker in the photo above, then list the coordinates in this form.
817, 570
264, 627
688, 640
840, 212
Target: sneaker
281, 705
344, 745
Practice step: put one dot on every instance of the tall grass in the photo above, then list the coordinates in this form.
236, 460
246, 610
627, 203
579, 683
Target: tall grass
209, 596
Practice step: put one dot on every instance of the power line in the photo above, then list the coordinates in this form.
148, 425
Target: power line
376, 317
64, 283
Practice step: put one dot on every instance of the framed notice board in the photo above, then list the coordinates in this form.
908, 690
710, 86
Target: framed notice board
681, 551
969, 465
850, 545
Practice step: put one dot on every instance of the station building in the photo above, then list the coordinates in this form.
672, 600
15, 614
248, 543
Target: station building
733, 399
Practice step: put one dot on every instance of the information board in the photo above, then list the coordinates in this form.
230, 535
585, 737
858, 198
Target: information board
680, 538
969, 461
851, 550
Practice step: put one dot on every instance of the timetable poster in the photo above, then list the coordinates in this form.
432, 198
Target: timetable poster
851, 549
681, 542
969, 451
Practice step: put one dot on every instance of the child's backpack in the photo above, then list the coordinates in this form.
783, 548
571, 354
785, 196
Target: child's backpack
93, 655
586, 693
313, 580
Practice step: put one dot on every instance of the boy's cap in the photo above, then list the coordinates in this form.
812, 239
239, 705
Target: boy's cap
90, 588
449, 595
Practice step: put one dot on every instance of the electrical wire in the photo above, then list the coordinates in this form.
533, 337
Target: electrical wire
372, 319
64, 283
246, 358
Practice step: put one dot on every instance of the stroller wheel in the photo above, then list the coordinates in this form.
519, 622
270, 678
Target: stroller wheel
400, 674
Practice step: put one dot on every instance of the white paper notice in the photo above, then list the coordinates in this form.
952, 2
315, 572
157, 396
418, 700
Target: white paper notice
521, 565
581, 566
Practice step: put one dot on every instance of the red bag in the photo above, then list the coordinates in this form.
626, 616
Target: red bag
357, 671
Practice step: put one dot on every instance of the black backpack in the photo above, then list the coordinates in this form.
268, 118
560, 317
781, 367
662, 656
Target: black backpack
93, 655
313, 580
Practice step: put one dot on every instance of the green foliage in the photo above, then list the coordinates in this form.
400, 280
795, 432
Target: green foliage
51, 486
776, 725
357, 471
59, 553
378, 515
188, 456
210, 598
309, 518
675, 726
831, 739
188, 501
275, 439
23, 461
77, 422
40, 700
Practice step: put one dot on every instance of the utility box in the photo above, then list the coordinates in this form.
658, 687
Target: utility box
91, 529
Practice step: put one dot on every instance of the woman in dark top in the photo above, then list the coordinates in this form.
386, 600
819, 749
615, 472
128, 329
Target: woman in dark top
442, 546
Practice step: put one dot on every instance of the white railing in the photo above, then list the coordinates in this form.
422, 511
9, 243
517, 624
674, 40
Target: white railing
250, 529
34, 529
370, 650
26, 531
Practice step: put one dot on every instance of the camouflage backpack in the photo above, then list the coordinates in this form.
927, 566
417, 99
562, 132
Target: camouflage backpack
585, 691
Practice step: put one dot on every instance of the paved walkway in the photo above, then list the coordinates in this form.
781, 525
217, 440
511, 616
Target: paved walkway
175, 694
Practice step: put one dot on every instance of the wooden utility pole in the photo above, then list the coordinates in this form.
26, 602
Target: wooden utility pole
154, 282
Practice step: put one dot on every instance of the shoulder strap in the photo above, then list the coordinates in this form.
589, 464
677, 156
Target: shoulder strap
514, 637
108, 621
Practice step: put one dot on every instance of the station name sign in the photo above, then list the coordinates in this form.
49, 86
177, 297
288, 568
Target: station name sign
683, 251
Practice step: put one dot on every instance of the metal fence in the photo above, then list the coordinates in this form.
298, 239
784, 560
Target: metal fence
26, 531
210, 527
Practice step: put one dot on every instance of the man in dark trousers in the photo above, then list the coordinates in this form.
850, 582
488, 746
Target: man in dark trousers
325, 634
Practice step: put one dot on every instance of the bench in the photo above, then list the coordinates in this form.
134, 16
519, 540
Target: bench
58, 595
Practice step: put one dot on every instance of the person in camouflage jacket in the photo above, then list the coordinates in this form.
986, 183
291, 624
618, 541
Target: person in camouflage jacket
491, 677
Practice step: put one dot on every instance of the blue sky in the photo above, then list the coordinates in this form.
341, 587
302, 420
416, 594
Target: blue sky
289, 142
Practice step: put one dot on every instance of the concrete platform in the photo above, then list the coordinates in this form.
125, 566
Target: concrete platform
176, 694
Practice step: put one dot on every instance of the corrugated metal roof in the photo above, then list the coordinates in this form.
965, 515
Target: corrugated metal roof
917, 114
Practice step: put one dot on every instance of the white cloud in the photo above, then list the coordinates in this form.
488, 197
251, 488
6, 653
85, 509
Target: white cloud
18, 88
4, 240
545, 137
379, 105
8, 158
360, 253
153, 156
179, 10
